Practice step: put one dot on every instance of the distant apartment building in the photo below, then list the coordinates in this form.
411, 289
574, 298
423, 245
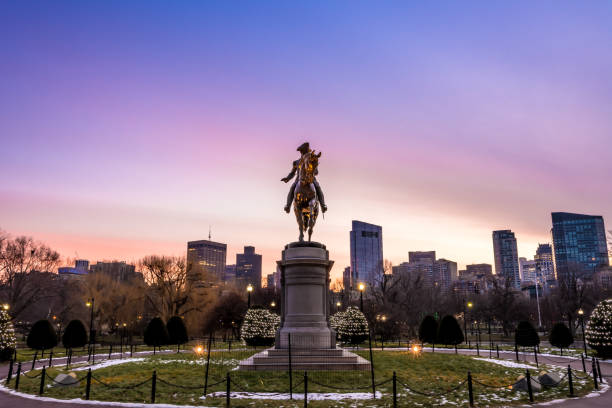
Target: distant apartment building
346, 278
206, 261
506, 257
270, 281
230, 273
545, 266
579, 244
528, 271
479, 270
273, 280
80, 270
444, 273
366, 253
117, 270
422, 263
248, 268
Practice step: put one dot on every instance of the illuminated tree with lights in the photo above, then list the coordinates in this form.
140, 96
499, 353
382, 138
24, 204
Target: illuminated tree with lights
599, 329
351, 325
259, 327
7, 336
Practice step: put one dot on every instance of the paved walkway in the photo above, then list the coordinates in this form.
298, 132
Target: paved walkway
602, 401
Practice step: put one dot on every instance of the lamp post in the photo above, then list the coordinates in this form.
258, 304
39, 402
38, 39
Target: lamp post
581, 314
273, 305
6, 307
90, 304
338, 304
469, 304
361, 289
249, 290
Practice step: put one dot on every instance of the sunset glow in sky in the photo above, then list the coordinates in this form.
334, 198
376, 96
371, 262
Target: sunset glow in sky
127, 128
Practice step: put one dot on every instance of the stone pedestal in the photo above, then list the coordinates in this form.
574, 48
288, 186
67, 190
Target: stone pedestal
305, 268
305, 280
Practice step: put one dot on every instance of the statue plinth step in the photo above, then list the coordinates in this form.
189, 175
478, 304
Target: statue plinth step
305, 360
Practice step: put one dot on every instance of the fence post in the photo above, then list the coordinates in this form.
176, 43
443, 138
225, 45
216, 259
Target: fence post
595, 374
153, 384
516, 351
229, 345
305, 389
478, 349
535, 353
583, 364
88, 384
470, 389
10, 372
227, 389
18, 376
529, 390
34, 359
41, 389
93, 352
290, 368
599, 371
569, 380
110, 351
497, 346
207, 365
50, 357
371, 364
394, 390
131, 349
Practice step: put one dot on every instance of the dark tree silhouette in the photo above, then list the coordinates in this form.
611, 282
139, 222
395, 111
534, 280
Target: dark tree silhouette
74, 335
450, 332
428, 330
156, 333
561, 336
177, 331
526, 335
42, 336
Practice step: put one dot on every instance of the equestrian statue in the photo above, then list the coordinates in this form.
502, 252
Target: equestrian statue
305, 192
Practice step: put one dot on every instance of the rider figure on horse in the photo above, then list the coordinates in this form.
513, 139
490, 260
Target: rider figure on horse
304, 149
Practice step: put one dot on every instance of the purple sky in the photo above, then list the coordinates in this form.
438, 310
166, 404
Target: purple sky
128, 129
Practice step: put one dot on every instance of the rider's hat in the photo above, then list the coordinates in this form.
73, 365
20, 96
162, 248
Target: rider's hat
304, 148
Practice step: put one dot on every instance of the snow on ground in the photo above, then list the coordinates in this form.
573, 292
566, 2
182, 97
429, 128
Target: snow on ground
504, 363
334, 396
90, 402
109, 363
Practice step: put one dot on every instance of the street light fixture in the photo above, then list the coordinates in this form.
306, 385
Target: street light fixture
6, 307
361, 289
338, 304
91, 304
249, 290
581, 314
273, 304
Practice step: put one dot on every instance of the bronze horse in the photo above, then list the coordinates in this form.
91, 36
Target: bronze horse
305, 203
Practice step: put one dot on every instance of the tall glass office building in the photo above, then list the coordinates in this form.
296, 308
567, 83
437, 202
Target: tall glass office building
579, 243
506, 256
366, 253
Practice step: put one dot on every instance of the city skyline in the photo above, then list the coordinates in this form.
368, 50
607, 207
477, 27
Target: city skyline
123, 140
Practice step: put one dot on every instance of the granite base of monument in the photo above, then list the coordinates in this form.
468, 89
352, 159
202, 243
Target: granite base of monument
304, 269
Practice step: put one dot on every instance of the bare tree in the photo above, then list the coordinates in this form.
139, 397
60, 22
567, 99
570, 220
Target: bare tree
22, 260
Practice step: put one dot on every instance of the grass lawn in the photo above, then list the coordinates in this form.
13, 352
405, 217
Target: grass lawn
428, 373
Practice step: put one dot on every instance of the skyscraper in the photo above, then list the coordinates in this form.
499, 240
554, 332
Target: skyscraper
248, 268
579, 243
444, 273
545, 267
505, 253
206, 261
528, 270
422, 263
366, 253
346, 278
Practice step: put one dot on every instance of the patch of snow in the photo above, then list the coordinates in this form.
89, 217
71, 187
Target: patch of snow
92, 402
108, 363
504, 363
319, 396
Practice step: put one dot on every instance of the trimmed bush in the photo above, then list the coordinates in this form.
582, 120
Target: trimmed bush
351, 326
598, 332
42, 336
7, 336
177, 331
156, 333
428, 330
75, 335
526, 335
561, 336
450, 332
259, 327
